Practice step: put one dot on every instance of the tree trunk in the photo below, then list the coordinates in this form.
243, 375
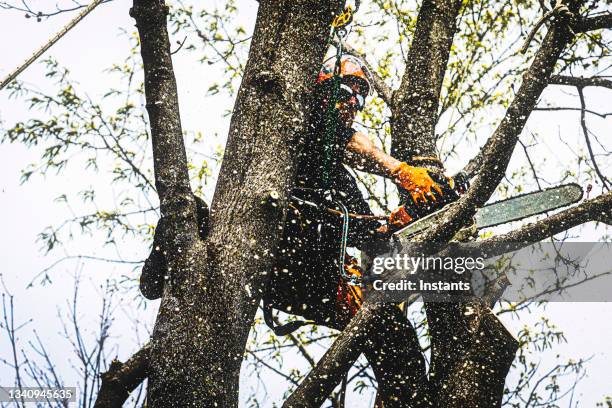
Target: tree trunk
211, 297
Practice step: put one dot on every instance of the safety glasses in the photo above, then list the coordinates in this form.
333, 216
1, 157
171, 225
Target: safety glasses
346, 93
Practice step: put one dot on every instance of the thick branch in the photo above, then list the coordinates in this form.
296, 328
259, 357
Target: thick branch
593, 23
415, 105
336, 362
170, 159
122, 378
579, 81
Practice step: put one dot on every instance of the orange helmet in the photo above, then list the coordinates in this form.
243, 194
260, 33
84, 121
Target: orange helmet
350, 67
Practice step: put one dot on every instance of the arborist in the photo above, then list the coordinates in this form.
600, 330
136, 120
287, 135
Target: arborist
313, 276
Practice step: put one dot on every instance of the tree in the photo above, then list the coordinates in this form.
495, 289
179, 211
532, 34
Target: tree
215, 284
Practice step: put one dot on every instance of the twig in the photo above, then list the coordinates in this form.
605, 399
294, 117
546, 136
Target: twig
580, 82
585, 131
533, 170
181, 43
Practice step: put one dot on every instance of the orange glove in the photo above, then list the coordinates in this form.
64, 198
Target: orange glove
399, 217
349, 297
417, 181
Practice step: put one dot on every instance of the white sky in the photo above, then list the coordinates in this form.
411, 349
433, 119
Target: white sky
28, 208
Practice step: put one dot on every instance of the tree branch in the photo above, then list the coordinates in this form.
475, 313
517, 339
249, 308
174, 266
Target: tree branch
170, 159
415, 104
562, 108
580, 82
585, 132
593, 23
122, 378
336, 362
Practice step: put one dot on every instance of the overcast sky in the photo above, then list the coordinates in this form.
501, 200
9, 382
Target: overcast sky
28, 208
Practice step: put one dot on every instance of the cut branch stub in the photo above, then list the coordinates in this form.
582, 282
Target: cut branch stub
122, 378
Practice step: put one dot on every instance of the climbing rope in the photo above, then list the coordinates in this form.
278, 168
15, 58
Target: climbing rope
49, 43
339, 25
339, 31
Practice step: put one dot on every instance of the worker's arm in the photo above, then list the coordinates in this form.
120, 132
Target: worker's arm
362, 154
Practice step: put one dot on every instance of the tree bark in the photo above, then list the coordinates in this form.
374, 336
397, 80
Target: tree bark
122, 378
415, 106
210, 301
593, 23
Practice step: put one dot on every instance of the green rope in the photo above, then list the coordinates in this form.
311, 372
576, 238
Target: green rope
331, 117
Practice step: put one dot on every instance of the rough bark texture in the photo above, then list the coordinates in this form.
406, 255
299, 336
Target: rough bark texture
210, 301
415, 104
257, 170
593, 23
170, 160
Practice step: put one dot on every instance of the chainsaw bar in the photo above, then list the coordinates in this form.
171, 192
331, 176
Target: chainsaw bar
508, 210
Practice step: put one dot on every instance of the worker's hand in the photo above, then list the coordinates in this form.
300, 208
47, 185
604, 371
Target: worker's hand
417, 181
399, 218
460, 182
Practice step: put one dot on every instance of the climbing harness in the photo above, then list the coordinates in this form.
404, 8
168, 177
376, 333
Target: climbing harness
560, 10
49, 43
349, 279
346, 215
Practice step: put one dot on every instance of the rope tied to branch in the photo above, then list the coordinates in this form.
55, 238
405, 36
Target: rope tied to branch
560, 11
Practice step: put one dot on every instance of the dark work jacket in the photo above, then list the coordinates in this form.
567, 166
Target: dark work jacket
305, 278
310, 182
